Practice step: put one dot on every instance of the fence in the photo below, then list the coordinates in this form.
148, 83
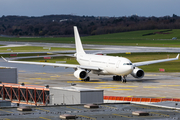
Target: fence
134, 99
24, 94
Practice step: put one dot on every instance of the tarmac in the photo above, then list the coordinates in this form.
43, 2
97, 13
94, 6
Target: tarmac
161, 85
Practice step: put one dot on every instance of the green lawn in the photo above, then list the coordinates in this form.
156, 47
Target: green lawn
134, 38
31, 49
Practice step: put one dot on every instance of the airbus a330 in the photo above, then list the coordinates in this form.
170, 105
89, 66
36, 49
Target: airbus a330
119, 67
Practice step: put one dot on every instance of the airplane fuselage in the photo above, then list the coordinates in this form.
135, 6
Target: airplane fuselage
111, 65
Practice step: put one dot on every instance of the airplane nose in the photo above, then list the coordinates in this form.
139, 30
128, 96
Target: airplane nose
132, 67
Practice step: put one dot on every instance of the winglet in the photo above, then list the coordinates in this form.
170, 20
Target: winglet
4, 59
177, 56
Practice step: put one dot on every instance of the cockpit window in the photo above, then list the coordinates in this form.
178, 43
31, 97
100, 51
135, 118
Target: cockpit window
127, 64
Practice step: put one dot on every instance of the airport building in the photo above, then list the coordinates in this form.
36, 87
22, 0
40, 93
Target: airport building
8, 75
75, 95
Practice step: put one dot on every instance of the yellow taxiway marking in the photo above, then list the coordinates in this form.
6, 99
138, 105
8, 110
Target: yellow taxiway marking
72, 108
109, 106
129, 96
42, 78
42, 109
133, 116
6, 119
40, 73
70, 74
148, 107
55, 76
6, 111
160, 97
37, 83
122, 89
151, 87
44, 118
121, 115
83, 82
118, 85
169, 85
49, 53
159, 114
25, 82
104, 87
91, 118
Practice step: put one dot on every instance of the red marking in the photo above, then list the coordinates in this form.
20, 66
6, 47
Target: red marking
161, 70
47, 57
13, 54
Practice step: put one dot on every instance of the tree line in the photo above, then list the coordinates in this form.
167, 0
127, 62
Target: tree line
62, 25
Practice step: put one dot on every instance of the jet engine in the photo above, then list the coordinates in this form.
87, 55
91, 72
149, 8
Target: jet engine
81, 74
137, 73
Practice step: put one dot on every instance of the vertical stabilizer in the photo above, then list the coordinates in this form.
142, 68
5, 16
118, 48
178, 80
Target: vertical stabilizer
79, 48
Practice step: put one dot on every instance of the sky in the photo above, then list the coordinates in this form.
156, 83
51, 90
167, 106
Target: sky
111, 8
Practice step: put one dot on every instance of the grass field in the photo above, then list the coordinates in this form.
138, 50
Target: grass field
134, 38
31, 49
172, 66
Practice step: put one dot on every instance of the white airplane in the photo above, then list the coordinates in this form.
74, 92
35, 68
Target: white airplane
120, 67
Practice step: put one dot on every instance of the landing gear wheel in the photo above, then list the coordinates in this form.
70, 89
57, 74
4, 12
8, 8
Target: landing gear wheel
117, 78
124, 79
114, 77
87, 79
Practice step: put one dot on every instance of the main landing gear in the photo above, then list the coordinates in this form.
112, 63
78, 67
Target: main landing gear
117, 78
87, 79
120, 78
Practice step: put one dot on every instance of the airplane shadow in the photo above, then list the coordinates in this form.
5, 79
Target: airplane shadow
147, 80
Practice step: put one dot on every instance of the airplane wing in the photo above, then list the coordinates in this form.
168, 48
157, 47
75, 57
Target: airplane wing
154, 61
56, 64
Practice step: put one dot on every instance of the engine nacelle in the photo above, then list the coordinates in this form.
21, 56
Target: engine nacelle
81, 74
137, 73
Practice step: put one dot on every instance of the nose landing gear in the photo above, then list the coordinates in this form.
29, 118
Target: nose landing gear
124, 79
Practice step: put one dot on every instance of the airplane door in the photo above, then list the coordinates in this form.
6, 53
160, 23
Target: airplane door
107, 63
117, 64
90, 61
